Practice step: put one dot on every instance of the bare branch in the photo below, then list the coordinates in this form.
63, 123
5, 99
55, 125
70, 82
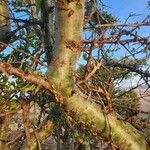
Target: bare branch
32, 78
9, 113
132, 68
124, 25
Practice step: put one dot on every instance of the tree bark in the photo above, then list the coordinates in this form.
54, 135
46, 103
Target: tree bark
87, 113
69, 25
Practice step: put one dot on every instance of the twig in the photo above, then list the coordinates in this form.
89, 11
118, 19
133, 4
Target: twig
96, 67
32, 78
26, 121
38, 142
124, 25
13, 141
9, 113
22, 51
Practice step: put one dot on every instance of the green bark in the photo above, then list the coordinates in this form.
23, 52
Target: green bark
92, 116
69, 25
67, 45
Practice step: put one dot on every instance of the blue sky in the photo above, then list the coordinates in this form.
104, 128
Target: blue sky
121, 8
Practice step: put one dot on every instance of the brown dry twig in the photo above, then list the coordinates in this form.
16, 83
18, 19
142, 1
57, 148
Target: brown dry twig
124, 25
32, 78
96, 67
25, 111
9, 113
16, 136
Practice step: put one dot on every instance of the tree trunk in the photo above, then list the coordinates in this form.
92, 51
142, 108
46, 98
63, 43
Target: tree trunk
68, 42
69, 25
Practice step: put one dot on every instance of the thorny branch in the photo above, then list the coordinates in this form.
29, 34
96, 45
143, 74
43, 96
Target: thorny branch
131, 67
9, 113
147, 23
30, 77
98, 40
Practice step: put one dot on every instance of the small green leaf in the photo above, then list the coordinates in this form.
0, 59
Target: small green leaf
12, 105
28, 88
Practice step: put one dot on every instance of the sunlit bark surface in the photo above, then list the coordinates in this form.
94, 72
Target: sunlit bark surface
69, 21
69, 25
